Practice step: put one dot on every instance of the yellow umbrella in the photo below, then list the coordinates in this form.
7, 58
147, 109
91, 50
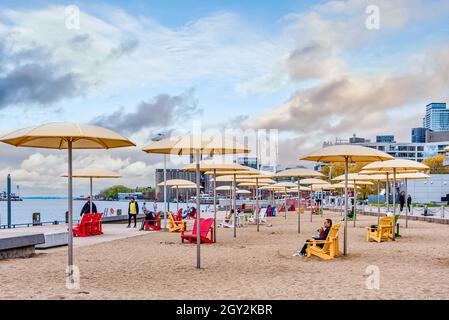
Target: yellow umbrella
356, 179
242, 176
65, 135
252, 184
285, 186
312, 182
346, 154
196, 145
91, 173
224, 188
212, 167
299, 173
393, 166
243, 191
176, 183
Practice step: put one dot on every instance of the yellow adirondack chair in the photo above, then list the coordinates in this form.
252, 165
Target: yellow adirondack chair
175, 226
383, 232
330, 246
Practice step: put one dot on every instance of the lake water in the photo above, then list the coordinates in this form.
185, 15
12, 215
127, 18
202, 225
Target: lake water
54, 209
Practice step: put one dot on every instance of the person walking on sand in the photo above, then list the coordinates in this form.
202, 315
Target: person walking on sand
402, 200
409, 202
133, 211
86, 207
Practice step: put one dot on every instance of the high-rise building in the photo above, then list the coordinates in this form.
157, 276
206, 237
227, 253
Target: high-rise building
437, 117
385, 138
419, 135
173, 174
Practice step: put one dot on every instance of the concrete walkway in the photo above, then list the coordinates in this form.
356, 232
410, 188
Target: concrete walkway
111, 232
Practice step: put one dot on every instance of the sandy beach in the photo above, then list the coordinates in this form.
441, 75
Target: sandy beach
252, 266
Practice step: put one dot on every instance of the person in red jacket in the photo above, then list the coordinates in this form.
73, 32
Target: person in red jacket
322, 235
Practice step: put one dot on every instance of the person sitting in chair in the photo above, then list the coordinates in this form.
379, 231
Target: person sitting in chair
229, 216
322, 235
150, 217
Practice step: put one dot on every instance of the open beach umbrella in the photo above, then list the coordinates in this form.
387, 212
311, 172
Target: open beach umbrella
213, 167
176, 183
256, 180
385, 178
196, 145
232, 176
299, 173
186, 187
284, 186
311, 182
347, 154
66, 135
393, 166
356, 179
91, 173
412, 175
242, 191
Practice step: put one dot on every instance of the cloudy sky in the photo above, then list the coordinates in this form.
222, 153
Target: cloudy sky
313, 70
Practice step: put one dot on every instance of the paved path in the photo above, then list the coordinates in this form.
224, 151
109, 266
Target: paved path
110, 232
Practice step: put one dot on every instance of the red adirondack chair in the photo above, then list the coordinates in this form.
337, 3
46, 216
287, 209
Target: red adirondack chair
153, 224
83, 229
206, 225
97, 227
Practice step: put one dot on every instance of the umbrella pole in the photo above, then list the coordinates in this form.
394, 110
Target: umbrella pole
165, 192
215, 205
394, 202
91, 196
345, 244
387, 186
257, 203
378, 202
198, 210
234, 204
311, 207
70, 209
299, 207
177, 199
285, 203
406, 205
355, 202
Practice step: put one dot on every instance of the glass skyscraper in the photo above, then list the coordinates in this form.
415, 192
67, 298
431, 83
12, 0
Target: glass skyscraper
437, 117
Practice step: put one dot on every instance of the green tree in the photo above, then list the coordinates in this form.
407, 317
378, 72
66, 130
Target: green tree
113, 191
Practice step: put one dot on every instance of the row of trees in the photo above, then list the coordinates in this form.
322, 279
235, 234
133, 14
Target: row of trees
112, 192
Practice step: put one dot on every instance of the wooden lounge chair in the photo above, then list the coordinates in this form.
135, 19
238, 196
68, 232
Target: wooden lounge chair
96, 227
325, 249
83, 229
174, 225
383, 232
153, 224
206, 228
